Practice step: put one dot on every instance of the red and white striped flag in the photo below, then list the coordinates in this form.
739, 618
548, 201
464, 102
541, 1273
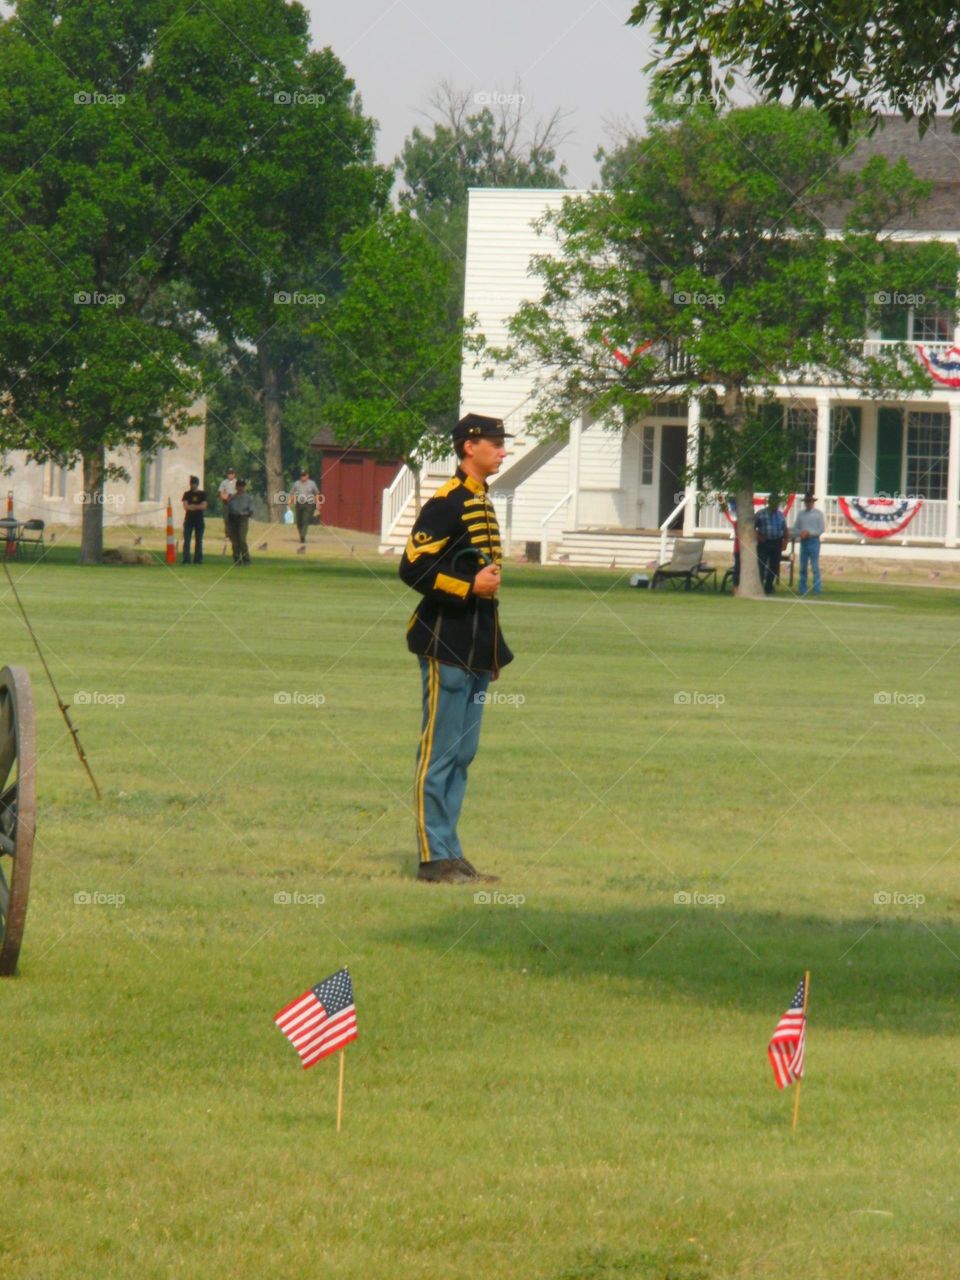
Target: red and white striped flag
786, 1047
322, 1020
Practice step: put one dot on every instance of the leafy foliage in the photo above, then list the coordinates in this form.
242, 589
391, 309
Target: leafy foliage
846, 57
396, 343
192, 170
94, 351
709, 268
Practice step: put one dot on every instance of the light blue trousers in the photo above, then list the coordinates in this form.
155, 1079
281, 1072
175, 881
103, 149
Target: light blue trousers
453, 701
810, 558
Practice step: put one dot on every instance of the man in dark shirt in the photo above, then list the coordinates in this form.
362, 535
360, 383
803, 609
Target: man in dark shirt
238, 521
771, 530
194, 505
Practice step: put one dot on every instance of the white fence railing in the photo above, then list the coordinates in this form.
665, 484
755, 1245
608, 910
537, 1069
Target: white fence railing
877, 346
929, 524
395, 499
545, 526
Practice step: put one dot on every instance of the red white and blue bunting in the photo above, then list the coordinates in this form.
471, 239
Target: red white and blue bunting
879, 517
944, 366
759, 502
622, 358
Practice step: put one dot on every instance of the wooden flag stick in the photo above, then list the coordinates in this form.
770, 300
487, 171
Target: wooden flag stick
340, 1092
806, 997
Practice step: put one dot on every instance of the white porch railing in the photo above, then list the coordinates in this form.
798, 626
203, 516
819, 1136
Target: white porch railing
929, 524
545, 523
397, 495
665, 527
876, 346
395, 499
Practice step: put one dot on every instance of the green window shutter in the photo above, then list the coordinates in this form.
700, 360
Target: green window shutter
844, 474
889, 451
893, 323
771, 414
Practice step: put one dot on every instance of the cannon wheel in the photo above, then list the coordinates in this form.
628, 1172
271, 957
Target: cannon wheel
18, 797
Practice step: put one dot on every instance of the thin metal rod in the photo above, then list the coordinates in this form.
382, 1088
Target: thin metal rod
60, 703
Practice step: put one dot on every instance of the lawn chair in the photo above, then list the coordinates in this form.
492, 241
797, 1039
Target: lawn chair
31, 535
685, 565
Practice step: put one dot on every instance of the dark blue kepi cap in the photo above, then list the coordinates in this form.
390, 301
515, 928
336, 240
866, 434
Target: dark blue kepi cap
476, 427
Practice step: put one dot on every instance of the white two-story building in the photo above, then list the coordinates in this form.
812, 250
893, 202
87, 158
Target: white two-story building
612, 493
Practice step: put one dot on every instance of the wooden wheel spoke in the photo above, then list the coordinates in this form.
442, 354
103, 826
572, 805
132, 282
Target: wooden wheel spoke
8, 735
17, 809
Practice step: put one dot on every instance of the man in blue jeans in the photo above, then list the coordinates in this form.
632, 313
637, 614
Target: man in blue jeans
809, 529
452, 558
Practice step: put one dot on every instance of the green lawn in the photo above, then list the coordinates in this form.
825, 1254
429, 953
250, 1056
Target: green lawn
575, 1086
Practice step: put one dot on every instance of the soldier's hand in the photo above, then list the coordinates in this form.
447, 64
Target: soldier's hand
487, 582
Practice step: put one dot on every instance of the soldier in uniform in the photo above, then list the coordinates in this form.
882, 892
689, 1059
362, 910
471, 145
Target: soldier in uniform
452, 558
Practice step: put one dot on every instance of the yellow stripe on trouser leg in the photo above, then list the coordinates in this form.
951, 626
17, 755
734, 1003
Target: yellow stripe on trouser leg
426, 746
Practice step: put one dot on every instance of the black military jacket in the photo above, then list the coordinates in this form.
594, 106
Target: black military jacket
455, 534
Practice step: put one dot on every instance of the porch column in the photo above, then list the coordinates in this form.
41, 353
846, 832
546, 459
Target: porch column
821, 468
953, 474
693, 448
573, 476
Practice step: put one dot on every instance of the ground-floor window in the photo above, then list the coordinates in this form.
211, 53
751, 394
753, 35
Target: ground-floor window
802, 424
928, 444
54, 480
151, 475
647, 455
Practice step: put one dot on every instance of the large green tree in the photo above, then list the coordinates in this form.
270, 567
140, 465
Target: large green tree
95, 352
276, 159
180, 171
709, 267
845, 57
395, 343
481, 139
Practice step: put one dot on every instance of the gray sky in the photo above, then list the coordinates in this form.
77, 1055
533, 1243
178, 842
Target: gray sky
568, 54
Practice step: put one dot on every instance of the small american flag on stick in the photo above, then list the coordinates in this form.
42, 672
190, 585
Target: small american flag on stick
786, 1047
322, 1020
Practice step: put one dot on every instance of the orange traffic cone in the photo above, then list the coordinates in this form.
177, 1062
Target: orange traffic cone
171, 545
11, 526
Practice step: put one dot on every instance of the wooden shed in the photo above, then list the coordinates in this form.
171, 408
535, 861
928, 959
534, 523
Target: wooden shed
352, 481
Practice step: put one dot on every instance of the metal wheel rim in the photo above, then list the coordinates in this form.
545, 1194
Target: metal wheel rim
18, 781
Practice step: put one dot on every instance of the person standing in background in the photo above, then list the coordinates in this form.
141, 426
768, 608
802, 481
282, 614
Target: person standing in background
809, 528
194, 505
305, 500
228, 487
771, 530
241, 509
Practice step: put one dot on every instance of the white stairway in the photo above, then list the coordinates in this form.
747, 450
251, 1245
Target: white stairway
606, 547
397, 539
603, 546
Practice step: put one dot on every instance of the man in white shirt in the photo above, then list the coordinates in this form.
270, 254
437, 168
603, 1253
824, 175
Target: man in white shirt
809, 529
305, 500
228, 487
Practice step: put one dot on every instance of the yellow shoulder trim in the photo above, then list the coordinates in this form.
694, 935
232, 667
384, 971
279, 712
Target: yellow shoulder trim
447, 487
415, 548
454, 586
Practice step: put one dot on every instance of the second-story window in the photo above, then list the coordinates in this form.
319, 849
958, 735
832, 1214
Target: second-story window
916, 324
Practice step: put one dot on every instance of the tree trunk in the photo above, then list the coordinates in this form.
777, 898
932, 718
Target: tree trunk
91, 537
272, 453
747, 534
733, 410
